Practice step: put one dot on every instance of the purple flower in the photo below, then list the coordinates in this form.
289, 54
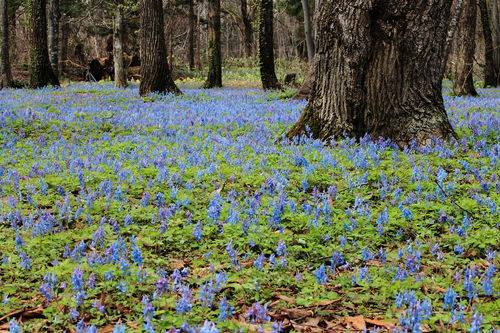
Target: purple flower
257, 313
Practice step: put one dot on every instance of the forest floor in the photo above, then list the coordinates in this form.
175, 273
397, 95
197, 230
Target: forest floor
184, 212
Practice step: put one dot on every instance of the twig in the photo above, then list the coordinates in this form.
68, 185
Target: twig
352, 187
451, 199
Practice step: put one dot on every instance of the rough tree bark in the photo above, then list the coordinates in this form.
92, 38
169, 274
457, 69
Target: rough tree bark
191, 39
120, 74
214, 78
5, 72
491, 75
41, 73
247, 29
308, 31
495, 20
266, 46
465, 48
378, 71
155, 72
53, 34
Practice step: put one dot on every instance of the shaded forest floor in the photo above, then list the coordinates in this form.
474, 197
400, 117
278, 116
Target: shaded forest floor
183, 212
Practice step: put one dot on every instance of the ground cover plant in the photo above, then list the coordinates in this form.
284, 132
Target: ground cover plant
187, 213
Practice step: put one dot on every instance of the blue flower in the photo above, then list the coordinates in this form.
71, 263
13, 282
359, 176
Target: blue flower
477, 320
320, 274
449, 299
185, 303
14, 326
77, 279
225, 310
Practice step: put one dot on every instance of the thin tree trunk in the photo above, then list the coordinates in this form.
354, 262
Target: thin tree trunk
5, 72
378, 71
191, 39
155, 72
41, 71
120, 74
199, 64
53, 35
456, 10
266, 46
63, 46
247, 29
465, 49
214, 45
308, 31
490, 72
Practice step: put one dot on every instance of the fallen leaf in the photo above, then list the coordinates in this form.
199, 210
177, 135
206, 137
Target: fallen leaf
307, 329
287, 299
357, 322
381, 323
326, 303
312, 321
176, 263
298, 313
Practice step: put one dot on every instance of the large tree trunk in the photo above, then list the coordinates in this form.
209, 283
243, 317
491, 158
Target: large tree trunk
53, 35
120, 74
247, 29
308, 31
491, 74
5, 72
41, 71
378, 71
266, 46
191, 39
465, 48
155, 73
214, 78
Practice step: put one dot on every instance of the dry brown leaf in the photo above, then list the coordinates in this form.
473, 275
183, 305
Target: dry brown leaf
252, 327
326, 303
27, 313
33, 313
439, 289
176, 263
312, 321
298, 313
287, 299
357, 322
381, 323
307, 329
